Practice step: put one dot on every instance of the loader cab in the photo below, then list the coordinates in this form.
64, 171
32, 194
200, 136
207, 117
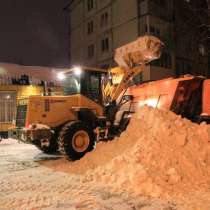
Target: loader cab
85, 81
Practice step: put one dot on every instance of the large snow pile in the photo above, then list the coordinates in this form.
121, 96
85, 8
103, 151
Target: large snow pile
160, 154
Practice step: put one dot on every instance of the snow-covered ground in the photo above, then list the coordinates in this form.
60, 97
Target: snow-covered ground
26, 184
161, 162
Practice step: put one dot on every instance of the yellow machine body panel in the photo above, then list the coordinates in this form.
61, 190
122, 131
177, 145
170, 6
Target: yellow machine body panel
54, 111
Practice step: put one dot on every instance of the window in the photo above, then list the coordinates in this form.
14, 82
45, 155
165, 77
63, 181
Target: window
201, 49
90, 51
105, 45
183, 66
138, 78
89, 4
157, 31
161, 3
154, 30
7, 106
146, 28
71, 84
91, 87
104, 66
165, 61
104, 19
95, 87
90, 27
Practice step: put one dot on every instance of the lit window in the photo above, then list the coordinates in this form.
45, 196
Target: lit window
201, 49
7, 106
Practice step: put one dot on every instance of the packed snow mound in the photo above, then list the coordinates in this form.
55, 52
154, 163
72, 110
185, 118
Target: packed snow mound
160, 154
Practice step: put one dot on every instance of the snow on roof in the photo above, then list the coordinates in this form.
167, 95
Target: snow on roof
37, 72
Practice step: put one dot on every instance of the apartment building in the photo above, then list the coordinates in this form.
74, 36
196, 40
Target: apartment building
156, 18
96, 32
191, 37
98, 27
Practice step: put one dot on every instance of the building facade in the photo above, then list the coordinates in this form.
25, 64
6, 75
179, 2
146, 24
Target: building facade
98, 27
191, 37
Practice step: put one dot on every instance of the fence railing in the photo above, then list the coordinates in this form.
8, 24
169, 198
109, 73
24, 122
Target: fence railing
24, 79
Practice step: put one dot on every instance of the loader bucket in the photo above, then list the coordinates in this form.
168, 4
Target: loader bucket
144, 50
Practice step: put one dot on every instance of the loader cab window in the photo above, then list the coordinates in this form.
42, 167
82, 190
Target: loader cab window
91, 85
88, 83
71, 84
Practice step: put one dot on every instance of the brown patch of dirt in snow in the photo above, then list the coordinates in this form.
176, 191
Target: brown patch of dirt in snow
159, 155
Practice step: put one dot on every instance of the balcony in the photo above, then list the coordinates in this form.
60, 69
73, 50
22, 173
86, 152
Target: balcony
151, 7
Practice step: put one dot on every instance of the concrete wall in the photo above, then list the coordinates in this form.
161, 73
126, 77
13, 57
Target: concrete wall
77, 32
125, 22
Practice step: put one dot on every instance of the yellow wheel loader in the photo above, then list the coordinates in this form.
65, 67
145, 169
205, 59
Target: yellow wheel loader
89, 109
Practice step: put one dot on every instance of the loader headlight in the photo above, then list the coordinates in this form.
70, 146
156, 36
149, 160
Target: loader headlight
77, 71
61, 76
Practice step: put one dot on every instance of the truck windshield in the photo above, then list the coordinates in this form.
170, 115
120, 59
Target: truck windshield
71, 84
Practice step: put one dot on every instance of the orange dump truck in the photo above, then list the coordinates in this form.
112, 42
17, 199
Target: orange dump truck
188, 96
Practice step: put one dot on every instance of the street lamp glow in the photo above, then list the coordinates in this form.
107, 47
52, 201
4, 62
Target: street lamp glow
77, 71
8, 97
61, 76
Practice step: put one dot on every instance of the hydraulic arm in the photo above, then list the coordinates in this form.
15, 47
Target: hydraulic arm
131, 59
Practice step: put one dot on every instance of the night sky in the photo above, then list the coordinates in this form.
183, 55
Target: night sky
34, 32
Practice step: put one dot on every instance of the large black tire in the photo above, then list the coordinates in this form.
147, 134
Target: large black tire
67, 142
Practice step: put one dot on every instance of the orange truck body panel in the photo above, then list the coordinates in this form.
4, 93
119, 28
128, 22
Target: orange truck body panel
156, 94
188, 96
206, 98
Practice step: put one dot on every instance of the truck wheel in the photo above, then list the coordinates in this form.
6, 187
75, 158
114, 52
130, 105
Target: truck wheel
76, 139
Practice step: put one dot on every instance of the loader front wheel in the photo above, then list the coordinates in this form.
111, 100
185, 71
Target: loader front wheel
76, 139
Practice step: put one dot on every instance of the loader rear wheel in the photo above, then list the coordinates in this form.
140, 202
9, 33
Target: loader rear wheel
76, 139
